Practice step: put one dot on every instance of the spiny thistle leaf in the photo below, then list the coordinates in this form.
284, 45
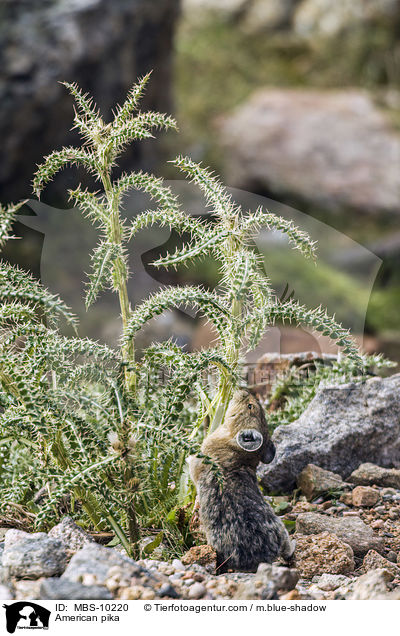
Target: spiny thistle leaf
319, 320
156, 120
215, 193
103, 259
84, 101
151, 185
90, 204
173, 219
188, 252
300, 239
209, 304
60, 159
124, 112
17, 284
7, 218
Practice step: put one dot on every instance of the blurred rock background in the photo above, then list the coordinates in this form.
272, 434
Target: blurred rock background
294, 100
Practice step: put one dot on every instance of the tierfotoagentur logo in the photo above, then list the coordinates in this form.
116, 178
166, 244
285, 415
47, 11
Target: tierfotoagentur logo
26, 615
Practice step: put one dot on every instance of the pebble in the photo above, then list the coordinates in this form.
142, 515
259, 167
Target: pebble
376, 525
178, 565
188, 582
197, 591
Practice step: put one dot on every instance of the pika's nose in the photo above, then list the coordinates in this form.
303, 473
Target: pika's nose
249, 439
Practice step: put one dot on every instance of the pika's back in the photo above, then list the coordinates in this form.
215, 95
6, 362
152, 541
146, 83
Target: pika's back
238, 522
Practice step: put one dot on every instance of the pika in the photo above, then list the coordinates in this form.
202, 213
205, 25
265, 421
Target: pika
239, 524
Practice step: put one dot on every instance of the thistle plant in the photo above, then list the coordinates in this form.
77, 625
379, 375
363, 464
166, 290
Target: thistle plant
244, 305
103, 143
84, 422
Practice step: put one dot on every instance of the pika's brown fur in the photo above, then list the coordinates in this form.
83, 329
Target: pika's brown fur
239, 524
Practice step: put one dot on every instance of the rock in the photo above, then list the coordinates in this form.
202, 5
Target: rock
322, 553
323, 18
314, 481
95, 565
96, 560
83, 41
351, 530
266, 582
330, 582
342, 427
371, 586
201, 554
196, 591
340, 136
369, 474
31, 556
55, 589
365, 497
5, 593
268, 16
214, 9
73, 537
27, 589
375, 561
346, 498
178, 565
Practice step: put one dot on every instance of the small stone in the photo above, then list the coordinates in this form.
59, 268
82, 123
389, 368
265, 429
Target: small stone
201, 554
322, 553
314, 481
167, 591
5, 593
330, 582
371, 586
369, 474
196, 591
375, 561
293, 595
376, 525
365, 497
391, 556
389, 491
189, 582
27, 590
350, 513
265, 583
148, 594
132, 593
72, 535
394, 513
178, 565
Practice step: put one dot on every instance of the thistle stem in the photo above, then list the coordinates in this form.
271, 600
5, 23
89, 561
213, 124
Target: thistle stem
120, 279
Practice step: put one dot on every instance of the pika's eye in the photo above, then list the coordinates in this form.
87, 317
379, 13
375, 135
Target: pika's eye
250, 407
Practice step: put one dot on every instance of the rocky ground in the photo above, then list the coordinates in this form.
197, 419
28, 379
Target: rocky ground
347, 547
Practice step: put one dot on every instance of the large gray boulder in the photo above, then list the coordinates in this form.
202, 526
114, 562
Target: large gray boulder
103, 46
343, 427
324, 18
333, 150
31, 556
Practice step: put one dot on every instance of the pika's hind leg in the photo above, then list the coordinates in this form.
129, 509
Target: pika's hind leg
288, 545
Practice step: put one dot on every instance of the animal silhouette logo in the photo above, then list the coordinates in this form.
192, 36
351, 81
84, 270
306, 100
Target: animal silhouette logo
26, 615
